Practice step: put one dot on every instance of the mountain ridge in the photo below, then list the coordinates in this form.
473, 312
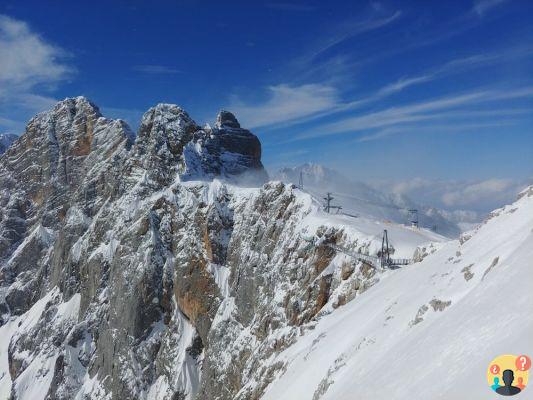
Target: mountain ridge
144, 268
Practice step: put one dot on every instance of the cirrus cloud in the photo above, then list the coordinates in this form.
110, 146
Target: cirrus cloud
27, 59
286, 103
29, 64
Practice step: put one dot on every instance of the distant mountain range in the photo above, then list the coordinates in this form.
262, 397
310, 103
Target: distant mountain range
6, 139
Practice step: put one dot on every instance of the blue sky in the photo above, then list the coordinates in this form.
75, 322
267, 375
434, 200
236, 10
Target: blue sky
382, 90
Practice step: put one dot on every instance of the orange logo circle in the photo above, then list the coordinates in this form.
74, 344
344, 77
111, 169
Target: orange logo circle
508, 374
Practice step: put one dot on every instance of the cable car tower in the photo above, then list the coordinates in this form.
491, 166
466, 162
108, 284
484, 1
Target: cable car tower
413, 216
327, 206
384, 256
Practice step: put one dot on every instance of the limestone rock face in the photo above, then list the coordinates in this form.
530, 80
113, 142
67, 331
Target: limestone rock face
225, 150
165, 129
227, 119
135, 268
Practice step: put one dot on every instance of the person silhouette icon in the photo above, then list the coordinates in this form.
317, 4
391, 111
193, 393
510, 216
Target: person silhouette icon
508, 389
521, 383
496, 383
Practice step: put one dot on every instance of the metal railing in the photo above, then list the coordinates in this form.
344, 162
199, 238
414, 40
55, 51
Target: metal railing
373, 261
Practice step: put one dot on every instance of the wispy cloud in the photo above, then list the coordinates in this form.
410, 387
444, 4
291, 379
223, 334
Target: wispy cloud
455, 66
309, 102
428, 37
340, 69
27, 59
379, 135
156, 69
347, 31
394, 115
286, 103
481, 7
446, 128
449, 68
413, 112
402, 84
28, 62
316, 63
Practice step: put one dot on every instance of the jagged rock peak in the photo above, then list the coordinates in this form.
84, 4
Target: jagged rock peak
170, 142
165, 120
73, 115
165, 129
164, 112
226, 119
76, 106
77, 126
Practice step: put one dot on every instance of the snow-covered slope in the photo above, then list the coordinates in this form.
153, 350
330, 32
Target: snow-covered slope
358, 198
427, 331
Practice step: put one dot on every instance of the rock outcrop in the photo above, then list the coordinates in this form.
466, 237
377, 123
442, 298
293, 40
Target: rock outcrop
132, 268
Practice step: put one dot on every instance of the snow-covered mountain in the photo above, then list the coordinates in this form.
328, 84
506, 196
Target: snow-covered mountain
473, 302
6, 139
358, 198
150, 267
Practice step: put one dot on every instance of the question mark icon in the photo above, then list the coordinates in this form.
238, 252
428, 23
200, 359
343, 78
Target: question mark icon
523, 363
495, 369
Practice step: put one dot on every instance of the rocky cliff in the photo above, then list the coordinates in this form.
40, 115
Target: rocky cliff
141, 267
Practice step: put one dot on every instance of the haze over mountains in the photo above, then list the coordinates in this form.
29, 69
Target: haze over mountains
360, 199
